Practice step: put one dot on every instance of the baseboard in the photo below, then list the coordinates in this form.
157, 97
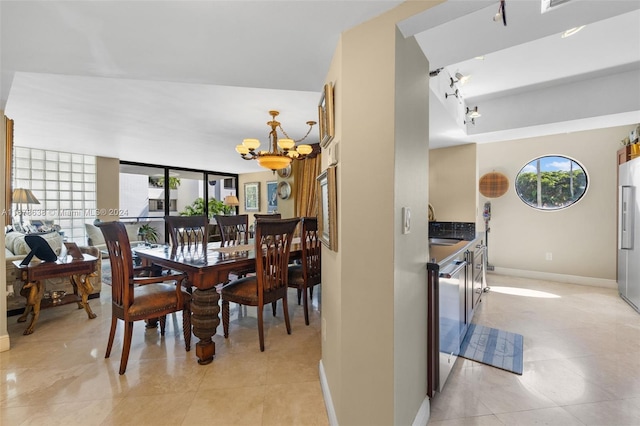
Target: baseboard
326, 394
5, 343
570, 279
422, 416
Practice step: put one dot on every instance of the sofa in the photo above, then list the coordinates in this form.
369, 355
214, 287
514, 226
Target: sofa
16, 248
96, 239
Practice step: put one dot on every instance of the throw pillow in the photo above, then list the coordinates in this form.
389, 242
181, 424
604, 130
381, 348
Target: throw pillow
20, 246
94, 234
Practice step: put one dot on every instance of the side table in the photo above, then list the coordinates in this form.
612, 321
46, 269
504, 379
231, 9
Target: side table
32, 274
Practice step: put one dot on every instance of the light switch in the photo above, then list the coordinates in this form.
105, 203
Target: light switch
406, 220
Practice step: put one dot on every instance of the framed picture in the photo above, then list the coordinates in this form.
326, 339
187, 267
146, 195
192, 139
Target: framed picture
272, 196
326, 116
252, 197
328, 212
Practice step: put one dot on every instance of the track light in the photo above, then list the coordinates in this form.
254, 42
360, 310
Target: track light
501, 15
456, 94
462, 79
435, 72
472, 121
473, 113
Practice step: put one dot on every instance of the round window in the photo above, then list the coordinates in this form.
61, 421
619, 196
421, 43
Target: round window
551, 182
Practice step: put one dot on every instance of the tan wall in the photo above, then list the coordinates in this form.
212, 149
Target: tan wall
107, 188
360, 311
581, 238
453, 183
410, 250
262, 178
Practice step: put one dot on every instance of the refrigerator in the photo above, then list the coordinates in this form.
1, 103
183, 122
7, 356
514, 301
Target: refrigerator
629, 232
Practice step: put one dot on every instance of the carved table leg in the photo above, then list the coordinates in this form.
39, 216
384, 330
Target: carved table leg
82, 283
33, 292
205, 321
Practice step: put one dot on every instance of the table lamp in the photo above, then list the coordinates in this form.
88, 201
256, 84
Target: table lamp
23, 196
231, 200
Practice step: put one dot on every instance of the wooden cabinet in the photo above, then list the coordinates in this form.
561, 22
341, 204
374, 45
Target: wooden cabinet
624, 154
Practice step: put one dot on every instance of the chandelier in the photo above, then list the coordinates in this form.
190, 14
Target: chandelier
282, 152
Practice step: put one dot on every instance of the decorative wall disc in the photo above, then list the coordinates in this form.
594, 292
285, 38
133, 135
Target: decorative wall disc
493, 185
286, 172
284, 190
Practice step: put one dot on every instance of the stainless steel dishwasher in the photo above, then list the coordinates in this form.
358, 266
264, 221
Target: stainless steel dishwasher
451, 316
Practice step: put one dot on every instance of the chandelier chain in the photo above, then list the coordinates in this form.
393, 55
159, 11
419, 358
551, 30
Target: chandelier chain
298, 140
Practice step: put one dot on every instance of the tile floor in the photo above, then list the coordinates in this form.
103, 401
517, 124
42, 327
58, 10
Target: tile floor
581, 367
59, 376
581, 360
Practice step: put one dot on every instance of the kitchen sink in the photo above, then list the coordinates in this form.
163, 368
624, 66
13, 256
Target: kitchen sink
444, 241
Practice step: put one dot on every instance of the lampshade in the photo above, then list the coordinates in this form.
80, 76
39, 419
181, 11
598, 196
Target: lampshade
231, 200
24, 196
274, 162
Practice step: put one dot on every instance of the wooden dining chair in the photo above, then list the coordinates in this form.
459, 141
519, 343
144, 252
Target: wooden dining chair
307, 274
234, 231
270, 283
267, 216
188, 232
259, 216
140, 298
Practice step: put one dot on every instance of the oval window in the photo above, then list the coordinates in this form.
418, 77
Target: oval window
551, 182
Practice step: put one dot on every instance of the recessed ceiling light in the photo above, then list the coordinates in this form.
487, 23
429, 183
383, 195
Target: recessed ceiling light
481, 58
572, 31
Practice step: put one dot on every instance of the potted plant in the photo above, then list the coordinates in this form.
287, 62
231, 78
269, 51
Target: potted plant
148, 233
215, 207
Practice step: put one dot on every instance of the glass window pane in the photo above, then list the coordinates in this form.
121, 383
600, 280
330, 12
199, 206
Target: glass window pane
22, 152
22, 174
22, 163
551, 182
37, 185
38, 169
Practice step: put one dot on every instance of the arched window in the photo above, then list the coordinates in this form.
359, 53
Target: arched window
551, 182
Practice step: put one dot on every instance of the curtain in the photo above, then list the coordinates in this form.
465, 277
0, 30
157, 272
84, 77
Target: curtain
8, 125
306, 187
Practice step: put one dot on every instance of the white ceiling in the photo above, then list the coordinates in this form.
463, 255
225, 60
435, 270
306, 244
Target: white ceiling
181, 83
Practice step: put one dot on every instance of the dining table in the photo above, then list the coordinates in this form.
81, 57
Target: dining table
205, 268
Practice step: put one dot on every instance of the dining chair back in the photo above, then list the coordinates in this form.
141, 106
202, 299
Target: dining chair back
140, 298
270, 283
234, 230
188, 232
267, 216
305, 275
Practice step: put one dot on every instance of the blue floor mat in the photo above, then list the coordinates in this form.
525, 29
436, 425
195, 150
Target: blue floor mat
494, 347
